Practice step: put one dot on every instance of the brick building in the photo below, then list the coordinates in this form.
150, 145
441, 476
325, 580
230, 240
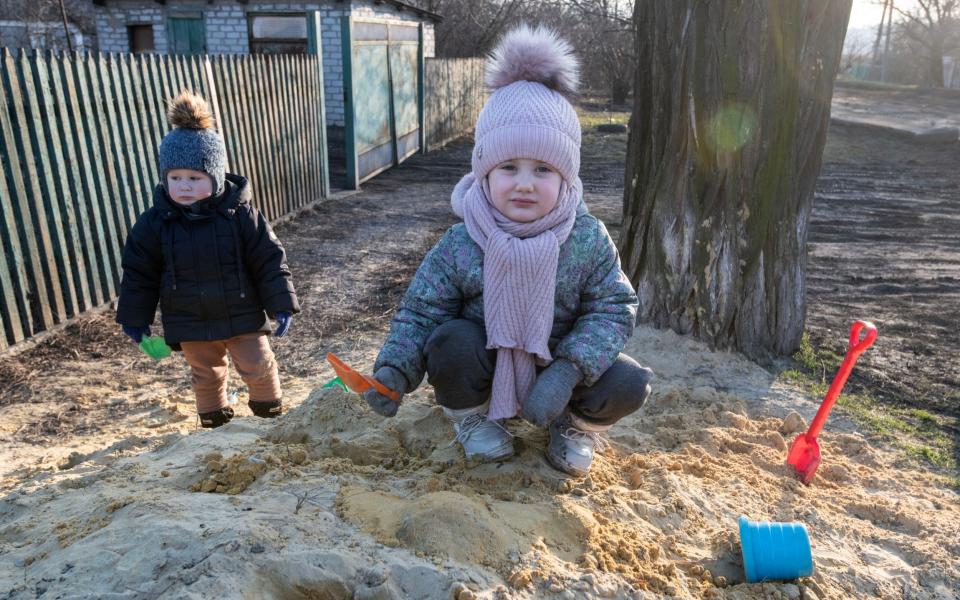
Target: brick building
247, 26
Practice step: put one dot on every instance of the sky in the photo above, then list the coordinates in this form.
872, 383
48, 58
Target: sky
865, 16
865, 13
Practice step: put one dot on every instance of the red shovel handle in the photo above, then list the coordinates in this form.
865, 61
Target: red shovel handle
857, 346
855, 349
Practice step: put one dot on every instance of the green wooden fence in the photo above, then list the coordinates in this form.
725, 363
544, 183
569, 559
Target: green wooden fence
454, 93
78, 146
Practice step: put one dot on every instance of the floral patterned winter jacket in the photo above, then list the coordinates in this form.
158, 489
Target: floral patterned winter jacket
595, 306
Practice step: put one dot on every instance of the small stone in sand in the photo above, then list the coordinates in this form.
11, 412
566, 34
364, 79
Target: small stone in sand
298, 456
792, 423
460, 591
809, 594
776, 441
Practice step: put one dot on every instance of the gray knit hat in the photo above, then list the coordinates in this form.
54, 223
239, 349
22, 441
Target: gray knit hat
193, 143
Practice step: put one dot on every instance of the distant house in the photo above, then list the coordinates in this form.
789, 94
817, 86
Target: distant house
248, 26
39, 25
40, 35
951, 71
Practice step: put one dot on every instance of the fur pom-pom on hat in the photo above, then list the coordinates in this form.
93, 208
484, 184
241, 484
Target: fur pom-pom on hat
189, 111
193, 142
535, 54
532, 75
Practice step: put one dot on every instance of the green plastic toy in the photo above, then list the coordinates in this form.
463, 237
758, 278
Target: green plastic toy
335, 382
155, 347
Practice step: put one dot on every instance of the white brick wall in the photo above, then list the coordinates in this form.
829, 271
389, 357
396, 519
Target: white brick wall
112, 21
226, 27
225, 23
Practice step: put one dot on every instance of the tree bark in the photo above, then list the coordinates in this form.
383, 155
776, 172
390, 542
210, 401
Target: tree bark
731, 108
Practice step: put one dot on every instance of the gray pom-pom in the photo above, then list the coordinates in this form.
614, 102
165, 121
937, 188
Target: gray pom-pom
534, 54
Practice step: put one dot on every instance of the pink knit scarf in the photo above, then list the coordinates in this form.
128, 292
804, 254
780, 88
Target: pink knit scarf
519, 282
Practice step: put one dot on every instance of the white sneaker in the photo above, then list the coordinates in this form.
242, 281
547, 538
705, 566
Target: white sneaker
480, 437
572, 444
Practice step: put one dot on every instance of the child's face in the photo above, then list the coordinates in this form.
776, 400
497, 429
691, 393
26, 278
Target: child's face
186, 186
524, 189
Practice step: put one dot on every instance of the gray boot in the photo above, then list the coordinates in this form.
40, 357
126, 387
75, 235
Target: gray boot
572, 444
480, 437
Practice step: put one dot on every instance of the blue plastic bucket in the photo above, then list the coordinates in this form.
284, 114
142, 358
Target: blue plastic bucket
775, 551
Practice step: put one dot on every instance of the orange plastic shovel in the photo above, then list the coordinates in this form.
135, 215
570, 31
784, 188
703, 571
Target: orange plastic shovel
358, 382
804, 454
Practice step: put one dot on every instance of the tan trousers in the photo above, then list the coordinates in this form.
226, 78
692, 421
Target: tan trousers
253, 359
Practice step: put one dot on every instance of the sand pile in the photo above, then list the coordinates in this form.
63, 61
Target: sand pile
332, 501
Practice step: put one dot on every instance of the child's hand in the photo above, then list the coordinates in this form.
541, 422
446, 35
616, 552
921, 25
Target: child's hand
284, 320
136, 333
551, 392
394, 380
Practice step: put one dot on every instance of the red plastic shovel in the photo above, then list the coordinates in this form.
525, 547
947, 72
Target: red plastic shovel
358, 382
804, 454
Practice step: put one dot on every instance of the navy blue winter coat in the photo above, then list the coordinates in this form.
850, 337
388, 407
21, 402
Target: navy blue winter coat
214, 268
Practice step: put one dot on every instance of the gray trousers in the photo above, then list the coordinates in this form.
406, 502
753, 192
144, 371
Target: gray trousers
460, 368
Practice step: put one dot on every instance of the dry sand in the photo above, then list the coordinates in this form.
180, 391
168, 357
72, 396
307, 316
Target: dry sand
333, 501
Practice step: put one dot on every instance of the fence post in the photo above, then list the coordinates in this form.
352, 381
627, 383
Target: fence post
421, 98
315, 47
349, 112
214, 94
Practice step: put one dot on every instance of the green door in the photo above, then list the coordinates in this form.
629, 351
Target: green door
405, 80
186, 35
382, 91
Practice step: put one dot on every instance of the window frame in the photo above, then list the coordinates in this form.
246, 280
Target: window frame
254, 42
142, 27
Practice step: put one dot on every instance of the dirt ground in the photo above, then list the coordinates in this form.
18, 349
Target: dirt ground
902, 107
884, 246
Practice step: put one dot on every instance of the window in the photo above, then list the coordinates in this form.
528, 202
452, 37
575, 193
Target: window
277, 33
140, 38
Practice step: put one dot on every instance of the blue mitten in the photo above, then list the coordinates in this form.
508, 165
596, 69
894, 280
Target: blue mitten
551, 392
394, 380
136, 333
284, 320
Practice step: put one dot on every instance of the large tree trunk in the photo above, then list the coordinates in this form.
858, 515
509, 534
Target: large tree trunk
731, 107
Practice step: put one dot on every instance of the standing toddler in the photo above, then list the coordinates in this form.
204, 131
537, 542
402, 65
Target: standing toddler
214, 265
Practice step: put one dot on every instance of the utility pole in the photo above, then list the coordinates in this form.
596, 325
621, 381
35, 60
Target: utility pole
66, 29
885, 69
875, 63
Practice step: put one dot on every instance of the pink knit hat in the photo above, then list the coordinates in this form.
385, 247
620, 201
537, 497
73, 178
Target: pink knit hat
527, 114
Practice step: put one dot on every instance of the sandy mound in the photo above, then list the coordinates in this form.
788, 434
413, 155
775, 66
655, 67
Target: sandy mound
332, 501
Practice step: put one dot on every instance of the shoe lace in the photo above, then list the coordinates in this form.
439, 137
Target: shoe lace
578, 435
470, 424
